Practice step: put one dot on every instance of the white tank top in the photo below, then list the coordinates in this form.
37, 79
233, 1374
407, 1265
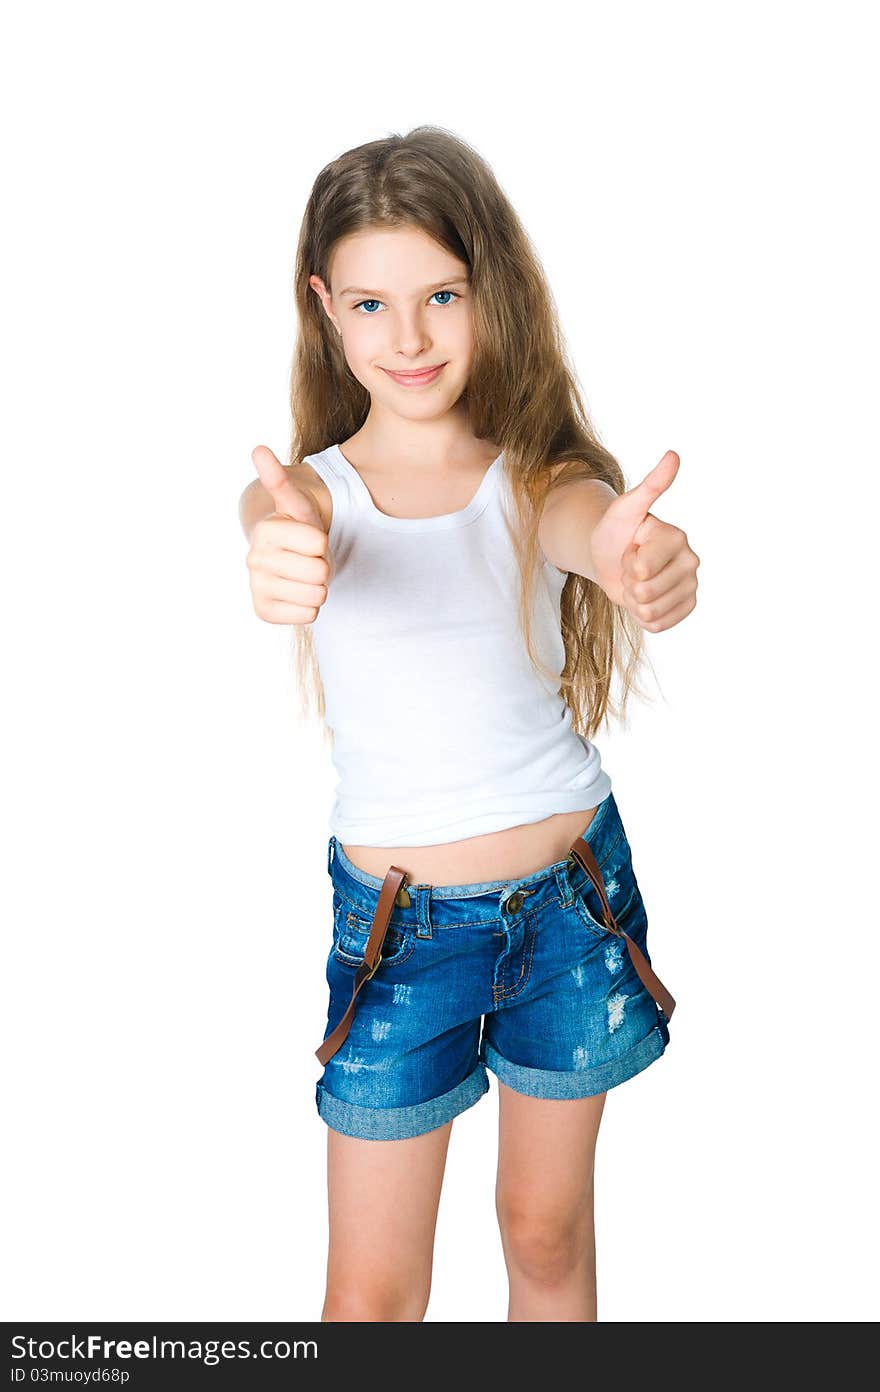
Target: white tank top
442, 728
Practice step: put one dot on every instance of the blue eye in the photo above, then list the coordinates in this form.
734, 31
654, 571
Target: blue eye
454, 293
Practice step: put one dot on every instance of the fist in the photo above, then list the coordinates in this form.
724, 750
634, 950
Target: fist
289, 557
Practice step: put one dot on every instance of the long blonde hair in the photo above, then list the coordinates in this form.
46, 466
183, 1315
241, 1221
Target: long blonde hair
521, 392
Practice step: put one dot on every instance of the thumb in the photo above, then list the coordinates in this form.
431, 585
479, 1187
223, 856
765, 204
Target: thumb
289, 500
656, 482
639, 500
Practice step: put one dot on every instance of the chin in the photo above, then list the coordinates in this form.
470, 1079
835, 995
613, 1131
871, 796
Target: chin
434, 409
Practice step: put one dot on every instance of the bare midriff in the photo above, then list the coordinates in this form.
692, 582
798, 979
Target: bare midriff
499, 855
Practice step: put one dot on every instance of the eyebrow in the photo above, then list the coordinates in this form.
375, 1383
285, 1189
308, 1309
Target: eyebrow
379, 294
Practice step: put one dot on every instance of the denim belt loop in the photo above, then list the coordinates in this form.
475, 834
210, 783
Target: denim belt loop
424, 926
562, 874
331, 846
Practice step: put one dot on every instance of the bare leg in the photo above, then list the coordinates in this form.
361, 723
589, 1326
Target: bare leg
382, 1202
544, 1201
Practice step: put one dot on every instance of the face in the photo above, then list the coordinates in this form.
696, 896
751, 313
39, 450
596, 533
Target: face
402, 303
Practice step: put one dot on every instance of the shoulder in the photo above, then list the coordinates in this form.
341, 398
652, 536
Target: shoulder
571, 474
554, 473
557, 471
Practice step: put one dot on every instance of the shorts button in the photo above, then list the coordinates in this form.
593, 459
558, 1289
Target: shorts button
515, 903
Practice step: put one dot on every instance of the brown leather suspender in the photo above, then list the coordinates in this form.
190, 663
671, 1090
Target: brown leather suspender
649, 978
372, 957
395, 877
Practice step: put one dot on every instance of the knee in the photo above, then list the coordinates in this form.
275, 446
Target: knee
374, 1302
545, 1247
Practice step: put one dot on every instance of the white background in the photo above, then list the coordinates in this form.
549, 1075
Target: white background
698, 180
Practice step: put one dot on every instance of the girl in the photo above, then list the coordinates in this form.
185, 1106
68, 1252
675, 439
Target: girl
461, 567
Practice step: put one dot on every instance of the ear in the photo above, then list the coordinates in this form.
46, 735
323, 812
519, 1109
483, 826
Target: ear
323, 294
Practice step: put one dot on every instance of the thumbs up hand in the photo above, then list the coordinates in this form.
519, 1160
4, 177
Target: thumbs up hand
289, 558
642, 563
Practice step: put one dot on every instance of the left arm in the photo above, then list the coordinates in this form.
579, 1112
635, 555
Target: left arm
614, 540
571, 511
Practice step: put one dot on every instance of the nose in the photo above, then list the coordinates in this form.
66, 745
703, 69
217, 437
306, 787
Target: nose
412, 335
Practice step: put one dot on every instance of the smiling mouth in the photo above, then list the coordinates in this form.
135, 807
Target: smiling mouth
418, 376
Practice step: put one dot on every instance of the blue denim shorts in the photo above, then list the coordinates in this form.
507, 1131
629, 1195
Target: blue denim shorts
520, 977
